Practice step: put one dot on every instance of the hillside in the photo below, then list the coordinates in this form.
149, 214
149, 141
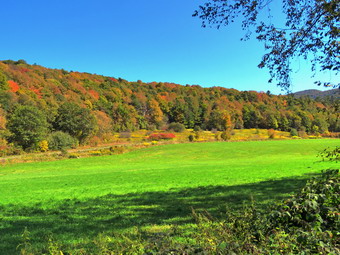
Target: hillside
314, 93
36, 102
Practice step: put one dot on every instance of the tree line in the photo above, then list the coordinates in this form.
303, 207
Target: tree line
37, 103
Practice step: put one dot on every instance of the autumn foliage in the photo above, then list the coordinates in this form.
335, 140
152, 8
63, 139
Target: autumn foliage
164, 136
106, 105
13, 86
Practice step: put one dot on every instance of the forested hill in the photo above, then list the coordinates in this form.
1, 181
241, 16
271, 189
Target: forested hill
314, 93
109, 104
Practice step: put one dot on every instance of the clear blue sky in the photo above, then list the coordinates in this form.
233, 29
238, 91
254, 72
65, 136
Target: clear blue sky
148, 40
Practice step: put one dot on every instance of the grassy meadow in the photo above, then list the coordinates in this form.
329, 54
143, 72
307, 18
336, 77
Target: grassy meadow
74, 200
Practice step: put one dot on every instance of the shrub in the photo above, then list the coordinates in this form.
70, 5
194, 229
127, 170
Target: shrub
191, 138
61, 141
73, 156
271, 133
294, 132
312, 215
176, 127
43, 146
302, 133
10, 149
94, 141
165, 136
308, 223
330, 154
226, 135
214, 131
125, 135
197, 128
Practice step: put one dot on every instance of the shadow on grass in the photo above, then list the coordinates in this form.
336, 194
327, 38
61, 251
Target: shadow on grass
75, 219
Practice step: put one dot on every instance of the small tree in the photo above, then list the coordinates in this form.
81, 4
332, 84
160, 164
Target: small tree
226, 135
271, 133
3, 82
75, 120
293, 132
60, 141
28, 126
43, 146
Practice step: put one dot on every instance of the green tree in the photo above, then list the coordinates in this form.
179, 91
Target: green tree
3, 82
75, 120
124, 117
311, 30
28, 126
60, 141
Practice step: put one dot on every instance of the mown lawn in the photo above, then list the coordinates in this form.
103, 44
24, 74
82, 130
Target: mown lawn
76, 199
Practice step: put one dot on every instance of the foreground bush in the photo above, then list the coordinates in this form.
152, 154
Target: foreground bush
308, 223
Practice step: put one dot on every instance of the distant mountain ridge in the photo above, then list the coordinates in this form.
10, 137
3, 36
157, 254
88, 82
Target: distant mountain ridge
314, 93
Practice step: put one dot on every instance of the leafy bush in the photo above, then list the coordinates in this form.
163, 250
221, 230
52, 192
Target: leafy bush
308, 223
61, 141
315, 208
302, 134
330, 154
294, 132
125, 134
191, 138
197, 128
176, 127
43, 146
226, 135
271, 133
165, 136
10, 149
94, 141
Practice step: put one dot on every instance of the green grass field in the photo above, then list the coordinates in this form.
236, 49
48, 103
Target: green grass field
76, 199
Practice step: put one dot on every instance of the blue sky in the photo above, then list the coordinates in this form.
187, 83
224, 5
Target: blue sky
148, 40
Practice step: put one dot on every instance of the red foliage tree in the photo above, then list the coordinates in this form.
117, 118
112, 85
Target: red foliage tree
94, 94
14, 87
